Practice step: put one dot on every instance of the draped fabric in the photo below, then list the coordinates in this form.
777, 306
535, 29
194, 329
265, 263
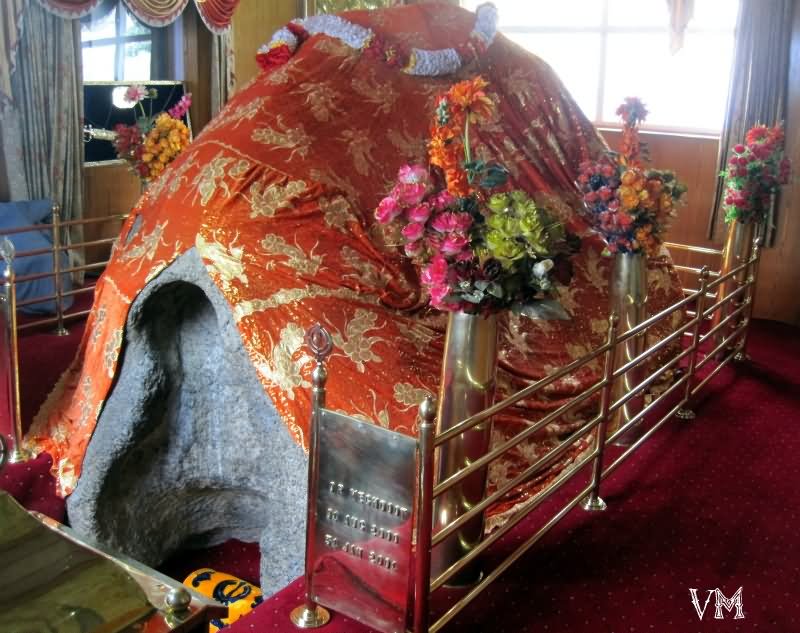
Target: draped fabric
216, 14
42, 144
10, 30
222, 80
680, 12
758, 87
277, 195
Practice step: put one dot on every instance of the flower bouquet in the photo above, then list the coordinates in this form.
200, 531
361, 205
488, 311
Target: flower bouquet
630, 206
755, 172
153, 140
477, 252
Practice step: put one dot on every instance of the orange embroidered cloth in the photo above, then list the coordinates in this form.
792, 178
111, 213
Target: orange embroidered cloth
277, 195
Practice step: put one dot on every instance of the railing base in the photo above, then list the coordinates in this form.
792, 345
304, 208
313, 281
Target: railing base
61, 331
19, 455
685, 414
593, 503
305, 618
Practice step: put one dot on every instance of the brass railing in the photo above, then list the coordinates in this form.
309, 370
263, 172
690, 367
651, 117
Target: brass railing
725, 340
10, 306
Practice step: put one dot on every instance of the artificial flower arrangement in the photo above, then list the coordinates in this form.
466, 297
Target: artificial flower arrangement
630, 206
153, 140
476, 252
754, 173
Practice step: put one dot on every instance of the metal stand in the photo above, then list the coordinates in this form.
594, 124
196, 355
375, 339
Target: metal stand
57, 248
9, 299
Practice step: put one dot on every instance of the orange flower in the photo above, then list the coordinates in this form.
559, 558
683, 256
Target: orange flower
628, 198
469, 96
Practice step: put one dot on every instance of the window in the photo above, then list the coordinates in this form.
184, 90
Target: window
606, 50
116, 46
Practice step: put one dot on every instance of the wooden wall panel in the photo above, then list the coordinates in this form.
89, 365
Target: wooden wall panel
253, 24
109, 189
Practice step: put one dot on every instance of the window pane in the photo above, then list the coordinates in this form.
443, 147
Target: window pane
136, 61
98, 28
638, 13
98, 63
687, 90
578, 71
715, 14
545, 13
132, 26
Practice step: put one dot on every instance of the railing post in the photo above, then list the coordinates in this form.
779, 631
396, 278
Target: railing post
752, 279
310, 615
685, 413
593, 503
18, 453
56, 227
422, 562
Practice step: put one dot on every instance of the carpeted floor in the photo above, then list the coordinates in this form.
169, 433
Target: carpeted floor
706, 504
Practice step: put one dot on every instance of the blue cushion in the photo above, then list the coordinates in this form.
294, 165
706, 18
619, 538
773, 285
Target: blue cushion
34, 211
11, 217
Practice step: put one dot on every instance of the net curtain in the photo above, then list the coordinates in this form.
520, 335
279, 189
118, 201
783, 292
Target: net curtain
215, 13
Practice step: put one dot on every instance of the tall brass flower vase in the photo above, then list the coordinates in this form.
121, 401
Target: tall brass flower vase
737, 250
628, 298
467, 386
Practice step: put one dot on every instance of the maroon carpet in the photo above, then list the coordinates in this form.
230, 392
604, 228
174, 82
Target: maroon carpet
706, 504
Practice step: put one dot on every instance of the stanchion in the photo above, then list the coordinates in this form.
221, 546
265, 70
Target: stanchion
593, 502
422, 563
310, 615
18, 454
684, 412
56, 226
752, 278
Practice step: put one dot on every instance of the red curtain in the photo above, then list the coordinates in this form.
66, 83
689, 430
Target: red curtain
216, 14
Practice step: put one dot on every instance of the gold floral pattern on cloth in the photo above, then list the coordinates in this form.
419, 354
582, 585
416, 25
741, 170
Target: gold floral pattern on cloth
278, 202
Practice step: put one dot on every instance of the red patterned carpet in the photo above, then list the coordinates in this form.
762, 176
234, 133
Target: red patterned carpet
706, 504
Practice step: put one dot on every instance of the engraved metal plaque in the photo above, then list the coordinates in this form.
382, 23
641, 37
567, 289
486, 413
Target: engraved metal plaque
361, 536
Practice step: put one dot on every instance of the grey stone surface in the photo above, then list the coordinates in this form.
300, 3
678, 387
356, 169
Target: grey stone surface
189, 450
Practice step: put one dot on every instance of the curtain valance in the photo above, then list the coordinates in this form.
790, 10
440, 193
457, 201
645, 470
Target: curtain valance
216, 14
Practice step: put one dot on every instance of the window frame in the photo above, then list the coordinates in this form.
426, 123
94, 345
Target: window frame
120, 40
604, 30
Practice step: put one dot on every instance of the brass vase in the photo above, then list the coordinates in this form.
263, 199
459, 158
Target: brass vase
737, 250
628, 298
467, 386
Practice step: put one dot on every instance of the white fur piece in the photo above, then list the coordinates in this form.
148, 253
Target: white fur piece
444, 61
351, 34
281, 36
486, 22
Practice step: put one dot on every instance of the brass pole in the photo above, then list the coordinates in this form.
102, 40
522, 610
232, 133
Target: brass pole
422, 562
56, 226
593, 502
310, 615
752, 279
18, 453
684, 412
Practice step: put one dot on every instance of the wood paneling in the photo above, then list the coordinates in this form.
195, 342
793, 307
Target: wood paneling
253, 24
109, 189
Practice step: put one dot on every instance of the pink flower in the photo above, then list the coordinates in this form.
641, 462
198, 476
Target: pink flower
605, 193
412, 174
739, 149
454, 244
435, 273
182, 107
414, 231
412, 249
607, 170
419, 213
443, 200
135, 93
409, 194
449, 222
387, 210
438, 294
